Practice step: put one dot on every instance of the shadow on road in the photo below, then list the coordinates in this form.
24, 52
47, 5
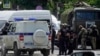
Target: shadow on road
36, 54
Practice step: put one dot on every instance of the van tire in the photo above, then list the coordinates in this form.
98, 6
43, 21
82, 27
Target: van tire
16, 52
45, 52
3, 52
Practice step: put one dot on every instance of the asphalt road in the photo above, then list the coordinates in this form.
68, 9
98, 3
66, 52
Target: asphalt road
37, 53
11, 53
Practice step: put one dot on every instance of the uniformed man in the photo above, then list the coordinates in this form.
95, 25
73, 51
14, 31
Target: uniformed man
94, 34
62, 39
83, 35
70, 39
53, 39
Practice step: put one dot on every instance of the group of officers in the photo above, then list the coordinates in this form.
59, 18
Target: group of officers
68, 39
91, 33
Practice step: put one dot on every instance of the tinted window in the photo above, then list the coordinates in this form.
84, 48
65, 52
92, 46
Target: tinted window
87, 15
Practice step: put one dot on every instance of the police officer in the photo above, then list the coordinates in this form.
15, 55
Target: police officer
94, 34
70, 40
62, 39
53, 39
83, 35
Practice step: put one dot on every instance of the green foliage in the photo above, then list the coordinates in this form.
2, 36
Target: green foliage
29, 4
91, 2
97, 3
51, 4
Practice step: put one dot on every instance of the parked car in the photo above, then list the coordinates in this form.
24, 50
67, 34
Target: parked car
86, 53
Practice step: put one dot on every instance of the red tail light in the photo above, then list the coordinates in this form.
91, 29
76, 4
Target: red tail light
21, 37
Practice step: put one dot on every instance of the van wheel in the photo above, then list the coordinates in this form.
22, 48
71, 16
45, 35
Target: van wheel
16, 52
3, 52
45, 52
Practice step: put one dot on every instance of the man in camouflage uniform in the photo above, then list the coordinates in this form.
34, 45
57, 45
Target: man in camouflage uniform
94, 33
83, 35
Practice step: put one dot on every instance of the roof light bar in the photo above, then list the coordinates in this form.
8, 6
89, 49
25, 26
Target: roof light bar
19, 19
32, 18
22, 19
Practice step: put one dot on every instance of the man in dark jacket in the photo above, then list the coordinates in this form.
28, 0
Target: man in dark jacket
62, 40
53, 39
70, 40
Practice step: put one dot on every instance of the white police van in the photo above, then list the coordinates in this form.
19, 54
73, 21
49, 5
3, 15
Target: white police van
28, 32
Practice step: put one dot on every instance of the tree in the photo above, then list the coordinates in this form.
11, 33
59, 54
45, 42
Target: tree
28, 4
97, 3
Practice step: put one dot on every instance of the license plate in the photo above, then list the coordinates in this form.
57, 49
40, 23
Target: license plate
28, 43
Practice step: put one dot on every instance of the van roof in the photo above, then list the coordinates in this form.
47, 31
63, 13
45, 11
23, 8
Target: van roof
5, 15
26, 14
86, 8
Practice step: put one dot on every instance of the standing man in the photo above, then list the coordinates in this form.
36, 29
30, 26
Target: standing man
53, 39
83, 35
62, 39
69, 42
94, 34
